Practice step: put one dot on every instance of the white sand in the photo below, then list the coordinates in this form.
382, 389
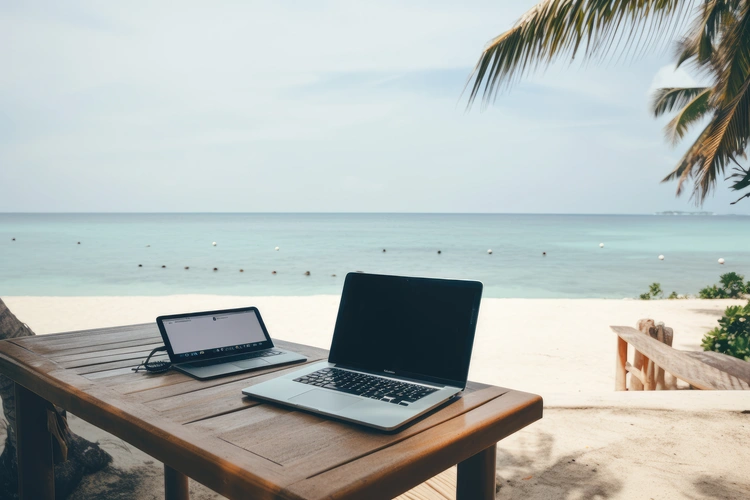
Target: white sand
665, 444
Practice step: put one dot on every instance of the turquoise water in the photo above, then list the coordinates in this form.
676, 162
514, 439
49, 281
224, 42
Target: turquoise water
45, 259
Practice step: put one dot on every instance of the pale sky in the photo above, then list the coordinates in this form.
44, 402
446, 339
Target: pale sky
315, 107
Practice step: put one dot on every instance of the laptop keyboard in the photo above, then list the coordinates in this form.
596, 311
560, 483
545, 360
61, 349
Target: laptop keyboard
368, 386
238, 357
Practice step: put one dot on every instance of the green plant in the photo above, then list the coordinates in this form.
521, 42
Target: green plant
673, 296
731, 286
732, 336
654, 292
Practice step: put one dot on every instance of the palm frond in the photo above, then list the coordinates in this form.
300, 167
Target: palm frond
692, 157
555, 28
732, 59
693, 111
723, 139
667, 99
706, 30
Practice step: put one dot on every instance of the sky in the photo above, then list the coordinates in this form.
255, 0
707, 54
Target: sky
326, 106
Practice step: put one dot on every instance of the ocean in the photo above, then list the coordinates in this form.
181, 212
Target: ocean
123, 254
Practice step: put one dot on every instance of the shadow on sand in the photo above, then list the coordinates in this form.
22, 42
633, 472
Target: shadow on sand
531, 473
714, 487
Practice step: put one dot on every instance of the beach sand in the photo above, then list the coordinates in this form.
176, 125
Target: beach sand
592, 442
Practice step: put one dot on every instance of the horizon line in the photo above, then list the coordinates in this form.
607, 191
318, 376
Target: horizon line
698, 212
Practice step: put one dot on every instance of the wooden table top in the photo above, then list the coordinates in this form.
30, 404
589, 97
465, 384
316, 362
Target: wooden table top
236, 445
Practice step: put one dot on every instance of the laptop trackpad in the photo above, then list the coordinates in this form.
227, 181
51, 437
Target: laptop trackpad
251, 363
324, 400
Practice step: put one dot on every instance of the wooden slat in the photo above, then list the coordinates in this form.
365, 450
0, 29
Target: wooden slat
114, 365
635, 372
55, 343
85, 354
440, 487
729, 364
682, 366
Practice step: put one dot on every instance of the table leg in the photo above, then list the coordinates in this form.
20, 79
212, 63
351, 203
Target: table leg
476, 476
175, 484
36, 469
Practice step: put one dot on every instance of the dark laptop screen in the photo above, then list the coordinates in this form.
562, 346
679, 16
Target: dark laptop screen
414, 327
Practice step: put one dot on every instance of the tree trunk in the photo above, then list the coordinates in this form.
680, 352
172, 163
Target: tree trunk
10, 328
74, 455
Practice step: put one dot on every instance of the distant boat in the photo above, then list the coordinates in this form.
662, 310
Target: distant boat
679, 212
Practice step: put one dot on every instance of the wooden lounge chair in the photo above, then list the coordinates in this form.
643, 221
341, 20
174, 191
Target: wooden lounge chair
702, 370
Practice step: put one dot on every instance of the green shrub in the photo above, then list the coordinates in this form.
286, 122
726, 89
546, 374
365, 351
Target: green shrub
654, 292
731, 286
673, 296
732, 336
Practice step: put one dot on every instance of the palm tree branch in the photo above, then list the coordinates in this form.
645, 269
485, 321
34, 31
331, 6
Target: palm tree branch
693, 111
554, 28
668, 99
732, 61
728, 137
705, 31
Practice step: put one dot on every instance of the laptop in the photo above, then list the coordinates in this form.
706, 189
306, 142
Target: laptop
401, 347
215, 343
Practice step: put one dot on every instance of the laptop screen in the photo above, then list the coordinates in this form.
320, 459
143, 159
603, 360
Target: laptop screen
418, 328
214, 333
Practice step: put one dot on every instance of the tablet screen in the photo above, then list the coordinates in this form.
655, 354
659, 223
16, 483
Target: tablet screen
204, 335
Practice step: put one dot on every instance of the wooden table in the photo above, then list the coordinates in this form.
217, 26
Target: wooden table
237, 446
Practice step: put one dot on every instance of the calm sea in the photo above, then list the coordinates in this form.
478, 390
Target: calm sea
46, 259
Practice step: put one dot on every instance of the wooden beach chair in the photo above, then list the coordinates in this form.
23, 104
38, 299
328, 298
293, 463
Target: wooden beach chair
702, 370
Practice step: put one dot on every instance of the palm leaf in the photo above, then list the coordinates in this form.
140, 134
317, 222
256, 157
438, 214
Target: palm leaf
723, 139
670, 98
555, 28
727, 138
743, 181
706, 31
693, 111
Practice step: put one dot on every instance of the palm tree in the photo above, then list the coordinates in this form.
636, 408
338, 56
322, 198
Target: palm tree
716, 43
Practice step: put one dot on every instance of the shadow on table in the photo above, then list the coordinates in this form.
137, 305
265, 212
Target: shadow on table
529, 473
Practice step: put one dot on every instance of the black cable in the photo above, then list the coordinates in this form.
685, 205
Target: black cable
154, 366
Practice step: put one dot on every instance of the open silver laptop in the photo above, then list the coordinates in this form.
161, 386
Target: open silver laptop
214, 343
401, 347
